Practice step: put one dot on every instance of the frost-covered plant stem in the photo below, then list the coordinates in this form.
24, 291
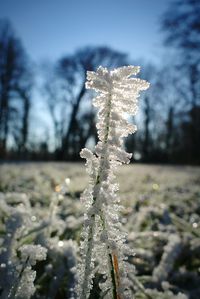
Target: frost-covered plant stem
90, 244
112, 260
103, 240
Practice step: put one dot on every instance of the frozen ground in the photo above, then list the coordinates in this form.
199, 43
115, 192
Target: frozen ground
158, 182
161, 216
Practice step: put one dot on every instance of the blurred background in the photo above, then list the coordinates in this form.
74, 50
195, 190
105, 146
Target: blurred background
47, 46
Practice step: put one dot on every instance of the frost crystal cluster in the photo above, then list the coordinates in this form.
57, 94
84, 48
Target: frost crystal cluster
103, 248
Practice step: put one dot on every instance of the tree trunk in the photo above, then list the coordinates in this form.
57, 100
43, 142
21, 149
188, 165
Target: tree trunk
72, 128
169, 131
146, 130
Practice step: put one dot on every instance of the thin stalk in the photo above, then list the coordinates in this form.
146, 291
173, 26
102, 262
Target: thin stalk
113, 260
114, 271
111, 264
115, 296
14, 288
116, 268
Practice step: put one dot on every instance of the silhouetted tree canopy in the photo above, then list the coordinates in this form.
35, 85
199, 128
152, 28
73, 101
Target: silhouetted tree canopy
169, 114
71, 73
181, 24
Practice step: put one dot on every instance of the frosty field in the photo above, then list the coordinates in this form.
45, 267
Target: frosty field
161, 216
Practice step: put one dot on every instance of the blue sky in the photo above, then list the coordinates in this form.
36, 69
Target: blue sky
51, 28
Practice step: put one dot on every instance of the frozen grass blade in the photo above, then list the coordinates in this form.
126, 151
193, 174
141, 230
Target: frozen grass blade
103, 242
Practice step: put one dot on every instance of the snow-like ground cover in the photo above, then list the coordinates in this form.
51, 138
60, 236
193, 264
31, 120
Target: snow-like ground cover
161, 216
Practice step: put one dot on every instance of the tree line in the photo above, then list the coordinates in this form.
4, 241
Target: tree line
169, 117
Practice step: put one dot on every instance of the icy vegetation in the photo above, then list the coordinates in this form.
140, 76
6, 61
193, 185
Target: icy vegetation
103, 240
36, 261
161, 216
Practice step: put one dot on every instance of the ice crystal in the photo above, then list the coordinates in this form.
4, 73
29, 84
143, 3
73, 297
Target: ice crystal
171, 251
103, 240
26, 286
33, 253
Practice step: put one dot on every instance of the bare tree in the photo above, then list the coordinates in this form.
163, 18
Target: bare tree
25, 97
56, 101
181, 24
148, 105
170, 103
14, 77
70, 73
